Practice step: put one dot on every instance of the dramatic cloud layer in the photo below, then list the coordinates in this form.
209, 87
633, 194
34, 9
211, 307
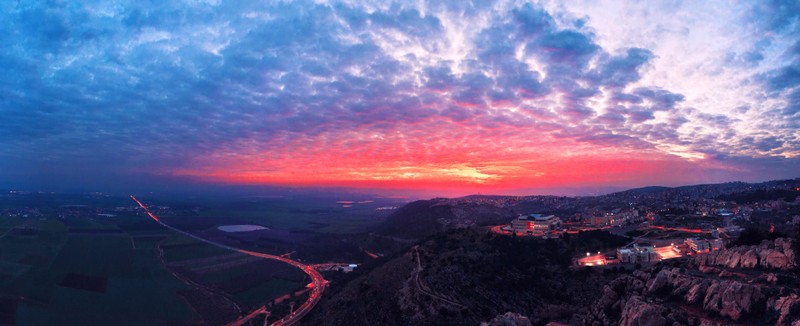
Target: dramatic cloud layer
484, 96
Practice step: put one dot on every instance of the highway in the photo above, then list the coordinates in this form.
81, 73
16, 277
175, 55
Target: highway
318, 283
333, 266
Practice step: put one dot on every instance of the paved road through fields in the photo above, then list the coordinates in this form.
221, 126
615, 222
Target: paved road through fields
318, 283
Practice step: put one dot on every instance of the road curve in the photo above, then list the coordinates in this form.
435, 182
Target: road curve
424, 289
317, 281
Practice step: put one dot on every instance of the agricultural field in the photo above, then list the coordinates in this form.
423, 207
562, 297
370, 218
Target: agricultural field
180, 248
320, 215
250, 281
82, 270
62, 254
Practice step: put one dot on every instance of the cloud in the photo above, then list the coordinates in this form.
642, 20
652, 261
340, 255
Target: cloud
623, 70
310, 92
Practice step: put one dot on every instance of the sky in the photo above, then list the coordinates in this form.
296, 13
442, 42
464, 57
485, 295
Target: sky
455, 97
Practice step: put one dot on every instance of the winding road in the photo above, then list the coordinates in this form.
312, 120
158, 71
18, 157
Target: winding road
424, 289
318, 283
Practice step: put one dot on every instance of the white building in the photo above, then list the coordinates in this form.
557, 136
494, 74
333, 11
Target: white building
637, 253
697, 244
704, 245
535, 223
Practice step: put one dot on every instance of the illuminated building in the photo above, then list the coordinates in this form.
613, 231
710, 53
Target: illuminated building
535, 223
637, 253
697, 245
716, 244
703, 245
616, 218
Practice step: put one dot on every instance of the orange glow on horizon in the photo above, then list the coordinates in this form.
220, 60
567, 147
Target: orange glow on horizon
441, 157
492, 176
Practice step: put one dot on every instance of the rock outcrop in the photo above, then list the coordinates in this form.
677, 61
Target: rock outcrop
742, 284
788, 308
733, 299
637, 312
728, 298
776, 254
508, 319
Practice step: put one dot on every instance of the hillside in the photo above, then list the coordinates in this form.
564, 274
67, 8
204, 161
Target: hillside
466, 276
423, 218
645, 190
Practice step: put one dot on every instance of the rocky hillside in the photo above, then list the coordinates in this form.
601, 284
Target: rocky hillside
509, 319
756, 285
779, 254
469, 276
465, 277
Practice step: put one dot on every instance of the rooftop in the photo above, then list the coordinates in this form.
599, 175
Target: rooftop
537, 217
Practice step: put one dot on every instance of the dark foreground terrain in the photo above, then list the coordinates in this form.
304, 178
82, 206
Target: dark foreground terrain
466, 277
751, 285
96, 259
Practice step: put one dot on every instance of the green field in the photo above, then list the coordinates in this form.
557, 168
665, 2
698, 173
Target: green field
138, 288
149, 241
278, 279
139, 291
179, 247
271, 289
33, 248
323, 216
92, 224
67, 264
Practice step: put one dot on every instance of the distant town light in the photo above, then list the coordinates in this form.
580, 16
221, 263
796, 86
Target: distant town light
587, 254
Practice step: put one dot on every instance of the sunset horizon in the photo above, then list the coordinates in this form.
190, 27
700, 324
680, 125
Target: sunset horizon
384, 162
489, 98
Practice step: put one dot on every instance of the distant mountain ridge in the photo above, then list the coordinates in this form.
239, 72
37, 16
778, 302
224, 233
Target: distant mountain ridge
645, 190
720, 188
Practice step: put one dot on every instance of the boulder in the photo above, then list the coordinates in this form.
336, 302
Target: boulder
508, 319
696, 293
637, 312
776, 259
788, 309
776, 255
732, 299
749, 259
